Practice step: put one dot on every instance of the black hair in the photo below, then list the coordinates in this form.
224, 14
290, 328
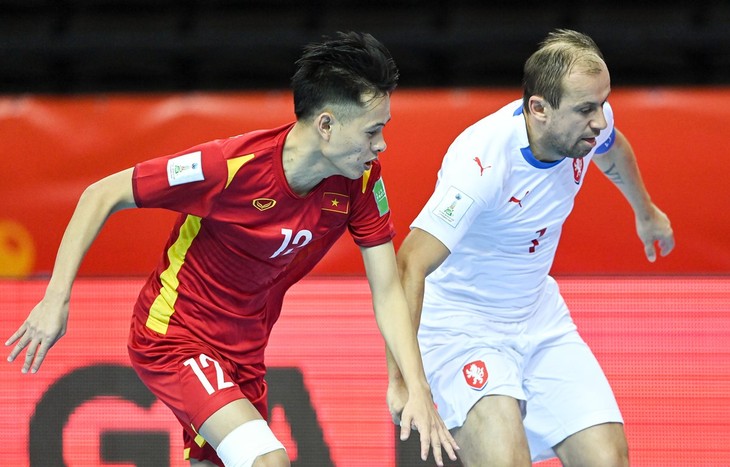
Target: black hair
340, 71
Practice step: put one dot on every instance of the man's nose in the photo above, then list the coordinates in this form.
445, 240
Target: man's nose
600, 120
379, 146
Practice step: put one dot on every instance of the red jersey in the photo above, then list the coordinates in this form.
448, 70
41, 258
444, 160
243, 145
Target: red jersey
243, 237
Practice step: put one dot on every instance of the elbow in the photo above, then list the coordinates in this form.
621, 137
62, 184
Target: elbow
100, 198
411, 270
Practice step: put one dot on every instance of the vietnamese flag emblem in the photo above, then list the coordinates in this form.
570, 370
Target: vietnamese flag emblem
335, 202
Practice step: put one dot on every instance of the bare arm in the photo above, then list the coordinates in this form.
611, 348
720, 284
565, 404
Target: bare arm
393, 318
419, 255
652, 225
46, 323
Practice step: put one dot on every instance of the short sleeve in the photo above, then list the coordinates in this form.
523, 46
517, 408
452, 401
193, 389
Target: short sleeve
608, 134
186, 182
370, 223
463, 191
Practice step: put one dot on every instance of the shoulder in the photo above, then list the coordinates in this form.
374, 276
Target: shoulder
495, 130
258, 142
488, 142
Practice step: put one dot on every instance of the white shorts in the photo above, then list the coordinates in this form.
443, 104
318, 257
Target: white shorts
541, 361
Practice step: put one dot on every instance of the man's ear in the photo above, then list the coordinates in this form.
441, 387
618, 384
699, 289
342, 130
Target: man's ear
324, 125
538, 107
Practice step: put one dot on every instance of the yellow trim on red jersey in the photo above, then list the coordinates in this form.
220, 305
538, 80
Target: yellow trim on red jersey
235, 164
365, 178
200, 441
164, 305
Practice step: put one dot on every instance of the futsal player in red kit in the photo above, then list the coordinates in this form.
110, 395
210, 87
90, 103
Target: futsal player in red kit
257, 213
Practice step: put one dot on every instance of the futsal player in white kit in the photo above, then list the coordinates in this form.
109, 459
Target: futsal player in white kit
511, 376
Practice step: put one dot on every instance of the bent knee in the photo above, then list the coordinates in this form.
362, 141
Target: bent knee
612, 455
277, 458
601, 446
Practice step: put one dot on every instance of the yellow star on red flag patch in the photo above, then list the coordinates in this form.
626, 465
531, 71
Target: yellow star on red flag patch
335, 202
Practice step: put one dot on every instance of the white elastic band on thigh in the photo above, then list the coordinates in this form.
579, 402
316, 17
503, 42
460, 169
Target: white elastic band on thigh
245, 443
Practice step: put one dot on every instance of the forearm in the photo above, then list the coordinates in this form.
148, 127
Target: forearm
413, 289
47, 321
94, 207
399, 332
392, 314
652, 225
620, 167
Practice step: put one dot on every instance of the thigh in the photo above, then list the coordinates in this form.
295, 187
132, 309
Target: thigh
464, 369
493, 434
191, 377
226, 419
195, 382
567, 392
599, 445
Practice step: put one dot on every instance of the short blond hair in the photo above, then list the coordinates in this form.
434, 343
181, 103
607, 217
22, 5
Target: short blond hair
562, 51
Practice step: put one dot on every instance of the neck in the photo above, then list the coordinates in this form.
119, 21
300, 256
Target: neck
535, 140
301, 161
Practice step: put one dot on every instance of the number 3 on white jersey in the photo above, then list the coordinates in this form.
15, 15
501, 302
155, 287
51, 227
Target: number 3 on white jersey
205, 361
300, 239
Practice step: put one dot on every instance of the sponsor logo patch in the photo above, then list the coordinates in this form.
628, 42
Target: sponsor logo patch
475, 374
453, 206
262, 204
381, 199
518, 201
481, 167
185, 169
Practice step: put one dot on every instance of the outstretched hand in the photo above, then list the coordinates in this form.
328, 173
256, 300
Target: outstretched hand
655, 230
43, 327
415, 410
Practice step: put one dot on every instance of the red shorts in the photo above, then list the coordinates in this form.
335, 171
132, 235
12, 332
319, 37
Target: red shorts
193, 379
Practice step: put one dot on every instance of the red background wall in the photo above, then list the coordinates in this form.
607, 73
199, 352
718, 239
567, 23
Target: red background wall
662, 341
54, 147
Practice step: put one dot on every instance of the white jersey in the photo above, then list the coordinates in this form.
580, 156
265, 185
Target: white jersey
500, 212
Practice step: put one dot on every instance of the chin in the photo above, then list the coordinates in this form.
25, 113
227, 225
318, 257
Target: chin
580, 154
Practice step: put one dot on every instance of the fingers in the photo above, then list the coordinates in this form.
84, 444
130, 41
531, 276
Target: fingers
429, 438
437, 439
30, 357
666, 245
405, 428
34, 354
433, 435
442, 439
37, 356
650, 251
450, 443
655, 232
18, 348
15, 336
